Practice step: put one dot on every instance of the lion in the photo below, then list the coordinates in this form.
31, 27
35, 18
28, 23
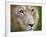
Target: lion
23, 17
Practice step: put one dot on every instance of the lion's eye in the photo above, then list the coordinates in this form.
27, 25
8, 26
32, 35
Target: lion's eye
32, 10
21, 11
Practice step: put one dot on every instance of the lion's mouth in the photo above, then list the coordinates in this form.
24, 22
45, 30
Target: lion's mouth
30, 27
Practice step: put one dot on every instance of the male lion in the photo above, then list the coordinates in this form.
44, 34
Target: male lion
23, 17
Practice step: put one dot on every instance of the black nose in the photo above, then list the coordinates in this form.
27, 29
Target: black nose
31, 24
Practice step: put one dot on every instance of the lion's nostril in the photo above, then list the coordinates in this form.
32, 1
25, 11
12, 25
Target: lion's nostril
31, 24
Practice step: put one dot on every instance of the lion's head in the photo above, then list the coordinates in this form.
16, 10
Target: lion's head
24, 17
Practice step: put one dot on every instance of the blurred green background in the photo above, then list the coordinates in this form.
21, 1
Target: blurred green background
39, 23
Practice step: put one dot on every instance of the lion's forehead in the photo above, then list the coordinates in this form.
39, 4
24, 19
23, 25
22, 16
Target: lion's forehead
24, 7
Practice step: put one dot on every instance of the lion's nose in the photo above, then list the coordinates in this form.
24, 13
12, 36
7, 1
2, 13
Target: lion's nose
31, 24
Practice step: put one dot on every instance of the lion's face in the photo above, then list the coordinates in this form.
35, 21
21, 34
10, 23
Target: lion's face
25, 17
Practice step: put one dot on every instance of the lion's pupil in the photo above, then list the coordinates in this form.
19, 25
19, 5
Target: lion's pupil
21, 11
32, 9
